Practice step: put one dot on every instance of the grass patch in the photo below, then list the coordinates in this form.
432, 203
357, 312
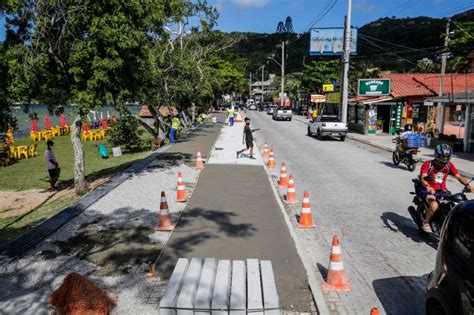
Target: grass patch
32, 173
11, 227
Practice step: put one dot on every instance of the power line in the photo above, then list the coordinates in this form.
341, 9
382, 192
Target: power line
328, 8
462, 29
455, 10
393, 44
392, 53
403, 7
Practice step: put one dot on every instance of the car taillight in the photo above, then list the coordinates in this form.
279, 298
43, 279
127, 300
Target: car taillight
324, 124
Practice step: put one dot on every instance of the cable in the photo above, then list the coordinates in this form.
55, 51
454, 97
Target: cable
454, 10
380, 47
404, 6
328, 8
383, 41
462, 29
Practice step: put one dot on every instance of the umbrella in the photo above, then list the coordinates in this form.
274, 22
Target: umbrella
63, 121
47, 122
104, 123
87, 127
34, 125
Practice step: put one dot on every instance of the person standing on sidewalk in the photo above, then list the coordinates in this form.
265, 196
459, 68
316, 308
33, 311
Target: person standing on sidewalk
231, 117
53, 165
175, 123
247, 139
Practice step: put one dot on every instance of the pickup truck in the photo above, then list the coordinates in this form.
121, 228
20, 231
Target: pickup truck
283, 113
327, 126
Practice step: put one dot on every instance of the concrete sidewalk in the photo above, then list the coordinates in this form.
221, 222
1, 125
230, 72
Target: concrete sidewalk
233, 214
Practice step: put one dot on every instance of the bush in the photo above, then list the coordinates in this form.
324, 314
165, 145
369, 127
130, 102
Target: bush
125, 133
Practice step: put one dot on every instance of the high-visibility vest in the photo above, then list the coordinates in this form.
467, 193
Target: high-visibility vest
175, 123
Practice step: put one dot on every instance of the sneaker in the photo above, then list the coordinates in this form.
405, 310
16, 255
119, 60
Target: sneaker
427, 227
238, 153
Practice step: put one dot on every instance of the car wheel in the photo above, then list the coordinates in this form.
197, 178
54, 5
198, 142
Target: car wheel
343, 138
318, 135
309, 132
289, 119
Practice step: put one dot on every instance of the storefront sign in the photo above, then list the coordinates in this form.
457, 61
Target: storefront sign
318, 98
328, 88
374, 87
333, 98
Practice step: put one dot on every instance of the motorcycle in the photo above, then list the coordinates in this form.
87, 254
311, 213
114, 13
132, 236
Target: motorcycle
447, 201
407, 157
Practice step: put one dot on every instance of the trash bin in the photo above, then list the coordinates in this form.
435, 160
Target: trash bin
117, 151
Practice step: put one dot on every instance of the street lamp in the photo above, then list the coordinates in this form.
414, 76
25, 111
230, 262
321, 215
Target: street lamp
282, 65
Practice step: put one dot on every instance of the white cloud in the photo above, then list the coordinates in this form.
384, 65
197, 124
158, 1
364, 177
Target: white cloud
251, 3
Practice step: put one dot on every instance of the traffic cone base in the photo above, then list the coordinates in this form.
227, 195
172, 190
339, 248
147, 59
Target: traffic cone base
290, 196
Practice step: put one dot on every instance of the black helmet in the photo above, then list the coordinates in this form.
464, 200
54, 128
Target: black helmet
443, 154
408, 127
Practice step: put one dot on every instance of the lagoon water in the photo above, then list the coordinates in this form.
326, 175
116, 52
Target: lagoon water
24, 121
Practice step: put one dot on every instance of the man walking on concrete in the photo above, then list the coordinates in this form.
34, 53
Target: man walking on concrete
53, 165
247, 138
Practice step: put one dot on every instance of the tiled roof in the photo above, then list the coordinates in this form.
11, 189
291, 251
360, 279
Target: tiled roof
145, 112
427, 84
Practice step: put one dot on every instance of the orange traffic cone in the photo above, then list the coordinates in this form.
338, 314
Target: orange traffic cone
374, 311
199, 163
306, 218
291, 193
265, 150
180, 189
283, 182
336, 280
271, 160
164, 223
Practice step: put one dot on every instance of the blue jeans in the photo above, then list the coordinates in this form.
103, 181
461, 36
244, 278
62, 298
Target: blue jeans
172, 135
231, 121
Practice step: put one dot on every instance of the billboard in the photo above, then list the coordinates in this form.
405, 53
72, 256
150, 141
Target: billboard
318, 98
374, 87
330, 41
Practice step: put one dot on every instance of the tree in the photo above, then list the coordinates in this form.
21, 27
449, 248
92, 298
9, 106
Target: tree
461, 44
280, 28
320, 72
7, 120
288, 25
86, 53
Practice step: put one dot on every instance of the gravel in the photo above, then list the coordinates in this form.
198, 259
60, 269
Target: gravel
133, 206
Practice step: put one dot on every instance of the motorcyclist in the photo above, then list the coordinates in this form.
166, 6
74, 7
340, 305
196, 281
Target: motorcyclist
402, 138
433, 178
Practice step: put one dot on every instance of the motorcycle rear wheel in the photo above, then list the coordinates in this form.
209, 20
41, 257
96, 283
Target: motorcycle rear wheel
411, 166
396, 157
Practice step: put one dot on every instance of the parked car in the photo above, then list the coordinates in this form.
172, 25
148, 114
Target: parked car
264, 106
282, 113
327, 125
271, 109
450, 286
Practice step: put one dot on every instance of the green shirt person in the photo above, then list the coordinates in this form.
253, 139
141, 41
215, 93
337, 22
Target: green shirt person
175, 123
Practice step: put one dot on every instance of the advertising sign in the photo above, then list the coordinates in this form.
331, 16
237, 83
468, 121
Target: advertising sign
333, 98
374, 87
328, 88
330, 41
317, 98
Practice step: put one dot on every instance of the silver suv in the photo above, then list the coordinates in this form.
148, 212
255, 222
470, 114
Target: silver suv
282, 113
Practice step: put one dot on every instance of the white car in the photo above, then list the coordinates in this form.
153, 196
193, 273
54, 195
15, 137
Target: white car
325, 126
252, 107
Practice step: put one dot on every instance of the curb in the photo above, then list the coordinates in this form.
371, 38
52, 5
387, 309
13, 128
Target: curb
20, 245
315, 282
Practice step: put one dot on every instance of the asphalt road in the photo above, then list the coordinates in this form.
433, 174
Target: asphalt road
357, 193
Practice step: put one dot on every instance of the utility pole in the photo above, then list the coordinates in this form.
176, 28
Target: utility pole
250, 86
263, 70
347, 54
441, 79
283, 72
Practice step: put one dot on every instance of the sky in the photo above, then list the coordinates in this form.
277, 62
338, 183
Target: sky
262, 16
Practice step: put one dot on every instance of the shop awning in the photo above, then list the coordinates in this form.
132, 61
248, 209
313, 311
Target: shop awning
369, 100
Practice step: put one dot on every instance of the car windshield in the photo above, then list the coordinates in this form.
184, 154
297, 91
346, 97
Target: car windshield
329, 119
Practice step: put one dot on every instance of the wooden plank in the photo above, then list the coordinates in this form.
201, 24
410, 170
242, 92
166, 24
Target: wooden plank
271, 302
220, 296
254, 289
185, 301
238, 289
202, 302
168, 301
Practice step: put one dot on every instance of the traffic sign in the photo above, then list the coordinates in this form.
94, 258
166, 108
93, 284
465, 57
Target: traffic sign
328, 88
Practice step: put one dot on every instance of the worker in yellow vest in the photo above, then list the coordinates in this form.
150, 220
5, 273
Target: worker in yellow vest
175, 123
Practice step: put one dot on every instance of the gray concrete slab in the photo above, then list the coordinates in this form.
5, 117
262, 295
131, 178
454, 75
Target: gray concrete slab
233, 215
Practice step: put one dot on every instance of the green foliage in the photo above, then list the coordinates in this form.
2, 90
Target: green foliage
460, 45
320, 72
125, 133
7, 120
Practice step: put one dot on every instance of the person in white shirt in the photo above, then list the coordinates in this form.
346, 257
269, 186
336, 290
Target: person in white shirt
53, 165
